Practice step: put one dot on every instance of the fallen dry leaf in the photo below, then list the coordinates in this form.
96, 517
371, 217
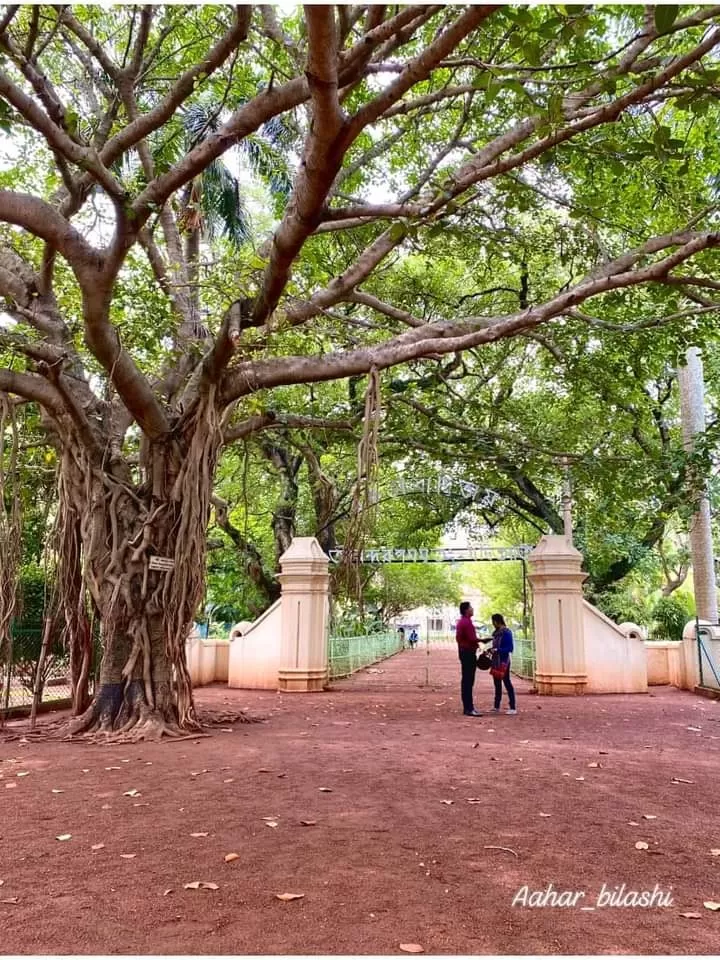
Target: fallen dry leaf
229, 857
474, 799
649, 816
57, 791
23, 773
325, 789
308, 823
113, 768
680, 780
289, 896
198, 834
594, 764
545, 814
128, 856
691, 916
166, 892
448, 802
411, 948
271, 823
97, 846
10, 900
64, 836
9, 786
633, 823
132, 793
715, 853
641, 845
200, 885
694, 729
491, 846
579, 778
230, 780
711, 905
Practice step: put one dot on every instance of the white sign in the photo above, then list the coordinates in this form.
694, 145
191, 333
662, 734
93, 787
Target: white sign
447, 485
162, 563
437, 554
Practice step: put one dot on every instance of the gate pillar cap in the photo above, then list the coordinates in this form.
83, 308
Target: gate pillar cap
708, 629
303, 549
554, 545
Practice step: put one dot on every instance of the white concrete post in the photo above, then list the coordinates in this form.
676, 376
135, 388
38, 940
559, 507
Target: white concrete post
304, 606
556, 580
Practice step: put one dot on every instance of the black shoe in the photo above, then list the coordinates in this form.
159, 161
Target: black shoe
471, 713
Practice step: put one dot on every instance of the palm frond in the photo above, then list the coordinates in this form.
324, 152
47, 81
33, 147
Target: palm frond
268, 163
280, 131
224, 210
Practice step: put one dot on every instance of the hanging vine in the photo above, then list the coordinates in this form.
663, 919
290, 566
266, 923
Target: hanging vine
10, 536
363, 510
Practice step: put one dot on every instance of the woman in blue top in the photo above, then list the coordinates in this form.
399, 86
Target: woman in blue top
502, 645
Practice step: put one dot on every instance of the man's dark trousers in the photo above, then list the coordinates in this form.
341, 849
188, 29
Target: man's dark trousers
468, 666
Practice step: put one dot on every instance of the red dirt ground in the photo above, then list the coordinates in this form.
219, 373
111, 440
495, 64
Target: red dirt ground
386, 862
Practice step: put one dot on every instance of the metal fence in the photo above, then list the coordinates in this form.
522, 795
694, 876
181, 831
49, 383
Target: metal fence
18, 672
523, 658
708, 654
348, 654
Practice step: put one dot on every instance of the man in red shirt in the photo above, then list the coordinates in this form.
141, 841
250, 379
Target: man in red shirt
467, 642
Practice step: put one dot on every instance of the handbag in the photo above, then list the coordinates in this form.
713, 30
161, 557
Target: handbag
498, 669
484, 662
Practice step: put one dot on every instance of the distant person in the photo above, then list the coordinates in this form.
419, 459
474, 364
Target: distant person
502, 647
401, 636
467, 642
413, 639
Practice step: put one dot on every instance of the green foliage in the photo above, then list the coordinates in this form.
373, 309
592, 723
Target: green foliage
625, 602
501, 585
665, 16
33, 597
670, 615
394, 588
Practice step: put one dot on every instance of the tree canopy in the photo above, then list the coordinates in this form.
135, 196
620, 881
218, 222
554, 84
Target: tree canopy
207, 210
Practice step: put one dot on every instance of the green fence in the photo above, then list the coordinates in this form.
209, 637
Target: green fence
348, 654
18, 671
523, 658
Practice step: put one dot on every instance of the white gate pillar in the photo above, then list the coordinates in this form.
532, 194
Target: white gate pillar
304, 606
556, 580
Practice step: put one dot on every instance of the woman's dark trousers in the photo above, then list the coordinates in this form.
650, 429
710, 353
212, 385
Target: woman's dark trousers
508, 686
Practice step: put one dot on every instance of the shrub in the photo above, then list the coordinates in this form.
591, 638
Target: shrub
670, 615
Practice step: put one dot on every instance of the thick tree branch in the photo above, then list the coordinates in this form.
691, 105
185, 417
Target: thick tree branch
57, 139
44, 221
285, 421
421, 66
368, 300
451, 336
30, 386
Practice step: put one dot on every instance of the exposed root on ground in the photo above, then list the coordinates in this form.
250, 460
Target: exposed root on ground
219, 718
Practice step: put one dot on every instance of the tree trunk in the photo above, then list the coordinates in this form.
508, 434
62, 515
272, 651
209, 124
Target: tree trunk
692, 406
146, 609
